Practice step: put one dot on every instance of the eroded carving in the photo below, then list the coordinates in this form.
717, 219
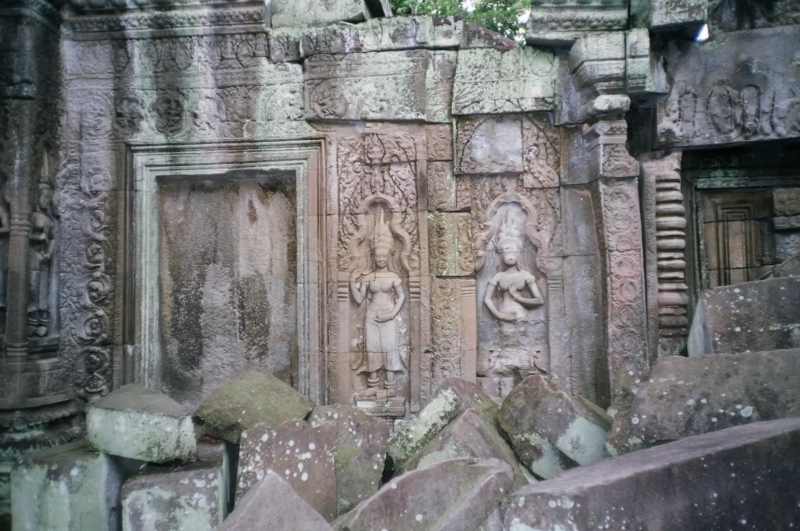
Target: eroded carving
381, 354
41, 274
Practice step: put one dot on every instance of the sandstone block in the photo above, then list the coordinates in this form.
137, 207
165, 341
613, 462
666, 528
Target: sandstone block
692, 396
453, 398
66, 488
141, 424
252, 398
177, 498
315, 12
552, 430
739, 478
359, 454
748, 317
470, 435
454, 495
273, 505
303, 455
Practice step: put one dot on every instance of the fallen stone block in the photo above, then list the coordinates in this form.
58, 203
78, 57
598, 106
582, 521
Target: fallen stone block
692, 396
66, 488
455, 495
739, 478
178, 498
453, 398
552, 430
273, 505
142, 424
748, 317
470, 435
359, 454
301, 454
254, 397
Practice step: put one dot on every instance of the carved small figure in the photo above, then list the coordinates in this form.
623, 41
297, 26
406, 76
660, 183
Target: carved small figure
382, 288
5, 228
513, 280
41, 251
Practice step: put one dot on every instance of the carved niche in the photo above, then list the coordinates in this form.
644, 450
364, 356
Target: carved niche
376, 335
518, 278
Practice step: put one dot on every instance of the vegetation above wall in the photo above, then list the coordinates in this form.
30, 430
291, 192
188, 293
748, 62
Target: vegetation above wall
503, 16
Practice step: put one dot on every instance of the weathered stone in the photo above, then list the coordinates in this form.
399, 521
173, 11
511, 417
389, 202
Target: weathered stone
394, 85
490, 81
558, 23
451, 251
192, 497
458, 494
475, 36
252, 398
359, 454
744, 477
692, 396
67, 488
453, 398
301, 454
141, 424
552, 430
726, 103
748, 317
470, 435
273, 504
302, 12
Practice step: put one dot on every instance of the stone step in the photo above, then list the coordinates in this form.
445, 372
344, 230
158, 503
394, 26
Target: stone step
739, 478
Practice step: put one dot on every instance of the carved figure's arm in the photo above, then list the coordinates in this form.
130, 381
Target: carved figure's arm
488, 300
4, 218
357, 289
537, 299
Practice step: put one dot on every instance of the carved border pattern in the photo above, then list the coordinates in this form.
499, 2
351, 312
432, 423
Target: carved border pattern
446, 331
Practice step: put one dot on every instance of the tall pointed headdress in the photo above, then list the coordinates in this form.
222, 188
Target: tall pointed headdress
510, 234
382, 236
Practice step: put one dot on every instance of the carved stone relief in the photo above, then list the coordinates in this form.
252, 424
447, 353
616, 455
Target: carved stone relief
454, 331
491, 81
517, 243
554, 22
732, 102
407, 85
378, 337
526, 144
42, 274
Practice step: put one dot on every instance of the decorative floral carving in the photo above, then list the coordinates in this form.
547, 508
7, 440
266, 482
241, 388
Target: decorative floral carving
446, 328
92, 368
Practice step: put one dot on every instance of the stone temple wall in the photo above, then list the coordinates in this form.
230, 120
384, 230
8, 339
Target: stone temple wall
365, 204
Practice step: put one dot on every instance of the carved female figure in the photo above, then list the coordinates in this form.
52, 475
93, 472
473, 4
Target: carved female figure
382, 288
5, 228
512, 280
42, 245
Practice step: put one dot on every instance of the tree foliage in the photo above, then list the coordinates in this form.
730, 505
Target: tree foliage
502, 16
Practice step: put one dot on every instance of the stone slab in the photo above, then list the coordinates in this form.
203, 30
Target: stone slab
359, 455
317, 12
303, 455
739, 478
692, 396
747, 317
252, 398
454, 495
273, 504
453, 398
490, 81
470, 435
66, 488
739, 87
177, 498
552, 430
141, 424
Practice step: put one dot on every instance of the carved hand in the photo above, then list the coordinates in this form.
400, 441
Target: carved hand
507, 317
383, 317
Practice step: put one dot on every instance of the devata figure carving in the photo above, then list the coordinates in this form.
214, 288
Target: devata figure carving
513, 280
41, 248
382, 288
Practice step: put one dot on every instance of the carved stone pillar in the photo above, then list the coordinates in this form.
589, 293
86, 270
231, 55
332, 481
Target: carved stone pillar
36, 410
620, 235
